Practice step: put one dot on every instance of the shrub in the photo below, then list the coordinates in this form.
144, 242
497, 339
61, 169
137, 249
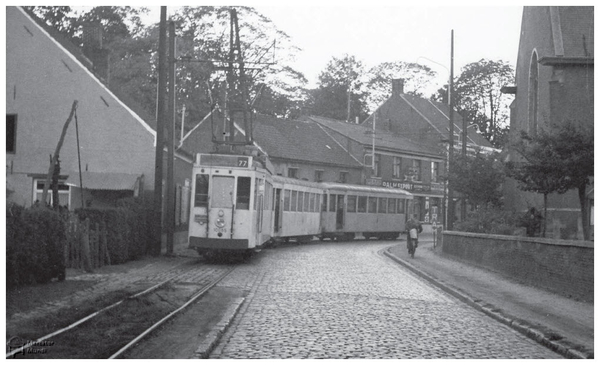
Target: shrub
35, 244
488, 220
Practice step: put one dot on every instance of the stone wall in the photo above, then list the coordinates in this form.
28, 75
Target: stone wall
560, 266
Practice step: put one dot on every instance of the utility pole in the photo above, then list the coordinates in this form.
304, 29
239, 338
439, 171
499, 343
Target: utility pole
170, 210
450, 212
463, 206
158, 174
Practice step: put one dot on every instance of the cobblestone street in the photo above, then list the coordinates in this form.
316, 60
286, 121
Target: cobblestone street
344, 300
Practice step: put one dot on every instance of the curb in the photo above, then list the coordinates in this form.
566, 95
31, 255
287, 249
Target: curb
520, 326
213, 337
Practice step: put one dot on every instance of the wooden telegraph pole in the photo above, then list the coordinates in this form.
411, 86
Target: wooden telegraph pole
158, 174
170, 210
450, 213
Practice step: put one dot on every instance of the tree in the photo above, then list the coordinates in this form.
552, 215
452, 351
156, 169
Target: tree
478, 179
554, 160
339, 93
267, 52
477, 97
378, 81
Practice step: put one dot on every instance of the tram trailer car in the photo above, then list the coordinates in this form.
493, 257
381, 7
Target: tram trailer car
239, 205
297, 214
374, 212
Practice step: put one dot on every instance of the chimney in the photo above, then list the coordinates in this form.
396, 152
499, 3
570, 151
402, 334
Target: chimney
397, 86
94, 50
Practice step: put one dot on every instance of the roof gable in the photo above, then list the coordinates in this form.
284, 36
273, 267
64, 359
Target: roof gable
75, 60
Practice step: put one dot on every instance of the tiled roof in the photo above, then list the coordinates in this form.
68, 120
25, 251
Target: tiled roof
431, 113
282, 139
364, 135
299, 140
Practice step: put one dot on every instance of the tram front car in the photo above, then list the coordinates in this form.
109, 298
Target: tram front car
227, 191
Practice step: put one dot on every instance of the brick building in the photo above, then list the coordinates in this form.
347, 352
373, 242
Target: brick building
554, 83
411, 144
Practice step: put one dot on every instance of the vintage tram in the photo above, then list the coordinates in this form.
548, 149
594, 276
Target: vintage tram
239, 205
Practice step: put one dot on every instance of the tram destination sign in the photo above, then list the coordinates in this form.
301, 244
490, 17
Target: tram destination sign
226, 160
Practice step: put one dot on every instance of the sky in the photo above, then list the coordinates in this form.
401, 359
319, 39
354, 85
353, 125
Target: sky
382, 31
398, 33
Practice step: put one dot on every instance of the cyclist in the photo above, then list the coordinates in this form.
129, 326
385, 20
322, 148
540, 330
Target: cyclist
413, 228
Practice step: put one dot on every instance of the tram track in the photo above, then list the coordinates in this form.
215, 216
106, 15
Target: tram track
110, 331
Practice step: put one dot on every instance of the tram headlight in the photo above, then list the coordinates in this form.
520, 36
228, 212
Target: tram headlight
220, 222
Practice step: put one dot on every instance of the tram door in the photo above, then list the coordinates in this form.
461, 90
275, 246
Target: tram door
339, 215
277, 210
259, 191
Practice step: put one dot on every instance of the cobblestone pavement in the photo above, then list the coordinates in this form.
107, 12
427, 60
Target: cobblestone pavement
345, 300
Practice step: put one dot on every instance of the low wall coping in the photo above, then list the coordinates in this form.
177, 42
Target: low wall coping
545, 241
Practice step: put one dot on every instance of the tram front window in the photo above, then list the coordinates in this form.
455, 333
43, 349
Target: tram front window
222, 191
243, 193
201, 195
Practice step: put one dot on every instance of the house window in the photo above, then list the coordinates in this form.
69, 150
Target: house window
415, 170
11, 133
376, 165
293, 172
64, 192
397, 167
343, 176
435, 171
319, 175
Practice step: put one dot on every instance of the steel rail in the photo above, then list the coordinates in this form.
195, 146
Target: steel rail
170, 315
90, 316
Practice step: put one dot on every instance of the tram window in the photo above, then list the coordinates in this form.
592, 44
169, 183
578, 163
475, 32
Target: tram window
222, 191
351, 204
307, 201
391, 205
286, 200
332, 199
324, 201
243, 192
201, 198
382, 205
372, 204
300, 201
400, 209
294, 206
362, 204
311, 202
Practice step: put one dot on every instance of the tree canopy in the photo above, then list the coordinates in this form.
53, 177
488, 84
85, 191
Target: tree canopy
378, 86
478, 178
339, 94
477, 97
556, 159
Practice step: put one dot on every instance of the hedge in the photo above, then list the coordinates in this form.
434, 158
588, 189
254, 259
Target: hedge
35, 241
129, 229
36, 238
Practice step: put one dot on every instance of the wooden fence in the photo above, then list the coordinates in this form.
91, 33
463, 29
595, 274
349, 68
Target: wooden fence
86, 246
